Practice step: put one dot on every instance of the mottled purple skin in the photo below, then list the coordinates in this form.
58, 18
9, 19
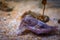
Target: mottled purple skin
31, 24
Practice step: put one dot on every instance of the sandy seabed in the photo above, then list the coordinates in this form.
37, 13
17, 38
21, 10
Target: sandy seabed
10, 21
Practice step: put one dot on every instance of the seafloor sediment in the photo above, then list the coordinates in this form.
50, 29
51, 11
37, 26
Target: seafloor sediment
10, 21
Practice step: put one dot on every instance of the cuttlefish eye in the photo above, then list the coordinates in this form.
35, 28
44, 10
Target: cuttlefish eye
31, 22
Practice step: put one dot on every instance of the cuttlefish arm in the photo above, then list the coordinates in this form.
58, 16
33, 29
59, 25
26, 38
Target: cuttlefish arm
36, 25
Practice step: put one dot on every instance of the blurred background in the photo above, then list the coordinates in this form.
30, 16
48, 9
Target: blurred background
12, 10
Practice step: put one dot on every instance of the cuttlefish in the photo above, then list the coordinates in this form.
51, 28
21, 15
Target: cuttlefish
36, 26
